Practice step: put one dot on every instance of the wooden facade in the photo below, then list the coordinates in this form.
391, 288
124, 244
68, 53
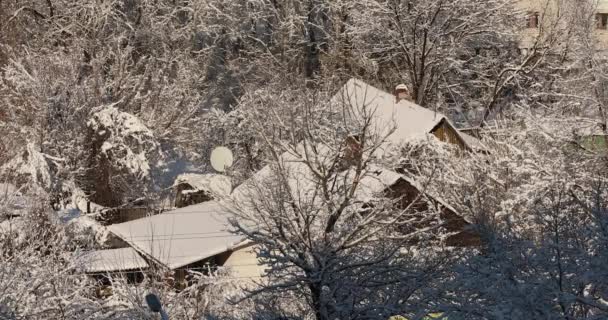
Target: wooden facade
454, 223
446, 133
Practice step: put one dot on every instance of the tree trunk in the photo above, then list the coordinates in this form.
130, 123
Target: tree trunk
317, 305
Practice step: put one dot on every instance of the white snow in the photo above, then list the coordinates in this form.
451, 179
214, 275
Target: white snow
406, 118
8, 189
35, 165
183, 236
111, 117
110, 260
128, 136
587, 127
375, 181
82, 223
12, 199
216, 184
300, 178
80, 201
473, 142
13, 228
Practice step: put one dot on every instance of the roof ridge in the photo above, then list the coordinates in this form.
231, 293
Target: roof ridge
407, 103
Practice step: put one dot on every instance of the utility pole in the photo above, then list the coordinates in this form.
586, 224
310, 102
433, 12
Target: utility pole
154, 304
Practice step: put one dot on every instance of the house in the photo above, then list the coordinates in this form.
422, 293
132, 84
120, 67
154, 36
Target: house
405, 118
198, 237
375, 181
105, 265
543, 17
409, 192
192, 238
399, 120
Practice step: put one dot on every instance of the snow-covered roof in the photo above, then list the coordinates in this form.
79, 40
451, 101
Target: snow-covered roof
216, 184
472, 141
432, 195
409, 121
111, 260
375, 181
406, 118
182, 236
302, 182
190, 234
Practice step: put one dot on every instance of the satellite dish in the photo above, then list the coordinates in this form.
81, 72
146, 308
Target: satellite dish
221, 159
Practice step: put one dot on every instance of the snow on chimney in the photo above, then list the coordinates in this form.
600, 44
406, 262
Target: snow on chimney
402, 92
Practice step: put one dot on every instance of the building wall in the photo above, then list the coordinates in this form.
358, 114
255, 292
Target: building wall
447, 133
602, 35
243, 262
558, 14
454, 223
549, 14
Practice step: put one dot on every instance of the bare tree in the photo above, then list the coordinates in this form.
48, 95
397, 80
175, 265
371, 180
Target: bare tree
537, 201
319, 216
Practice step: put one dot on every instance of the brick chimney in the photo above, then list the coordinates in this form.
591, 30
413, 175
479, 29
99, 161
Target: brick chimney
402, 93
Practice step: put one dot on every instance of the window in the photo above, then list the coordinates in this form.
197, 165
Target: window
532, 20
602, 20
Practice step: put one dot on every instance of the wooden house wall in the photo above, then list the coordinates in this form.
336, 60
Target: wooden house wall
445, 132
409, 194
